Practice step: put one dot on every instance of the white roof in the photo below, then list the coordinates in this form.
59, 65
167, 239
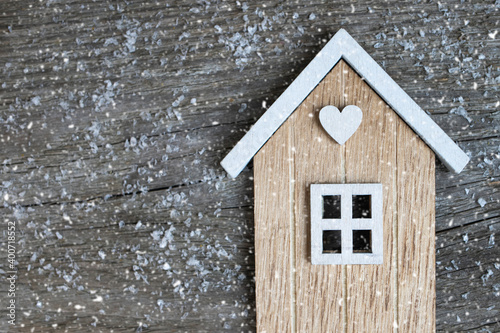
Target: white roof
343, 46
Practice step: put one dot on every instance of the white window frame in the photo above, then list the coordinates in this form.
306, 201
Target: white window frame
346, 224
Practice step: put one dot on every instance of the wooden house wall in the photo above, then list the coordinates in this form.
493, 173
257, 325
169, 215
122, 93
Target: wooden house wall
295, 296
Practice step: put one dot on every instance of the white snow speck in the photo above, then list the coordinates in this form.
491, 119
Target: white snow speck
35, 100
102, 254
97, 299
461, 112
193, 262
486, 276
138, 225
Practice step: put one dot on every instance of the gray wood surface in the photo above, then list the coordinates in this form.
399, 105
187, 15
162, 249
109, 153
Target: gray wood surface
110, 168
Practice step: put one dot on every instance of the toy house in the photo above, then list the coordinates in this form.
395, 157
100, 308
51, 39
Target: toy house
344, 200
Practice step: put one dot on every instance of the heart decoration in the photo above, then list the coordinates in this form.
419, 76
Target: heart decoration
340, 125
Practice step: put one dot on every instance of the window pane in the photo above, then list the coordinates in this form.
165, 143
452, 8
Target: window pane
362, 241
331, 207
332, 241
361, 206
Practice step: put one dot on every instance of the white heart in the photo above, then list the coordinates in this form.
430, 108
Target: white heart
340, 125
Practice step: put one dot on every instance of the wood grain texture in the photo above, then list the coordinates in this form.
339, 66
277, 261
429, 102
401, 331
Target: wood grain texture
319, 288
61, 55
372, 293
400, 293
274, 257
313, 286
370, 157
416, 233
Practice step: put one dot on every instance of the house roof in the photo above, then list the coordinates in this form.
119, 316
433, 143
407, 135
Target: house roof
343, 46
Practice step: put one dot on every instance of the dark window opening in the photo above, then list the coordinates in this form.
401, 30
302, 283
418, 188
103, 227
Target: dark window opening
361, 206
362, 241
331, 206
332, 241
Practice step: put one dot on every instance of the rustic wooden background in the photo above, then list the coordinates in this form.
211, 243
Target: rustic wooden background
114, 116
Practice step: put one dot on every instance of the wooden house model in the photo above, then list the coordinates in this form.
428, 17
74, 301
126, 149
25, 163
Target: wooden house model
344, 201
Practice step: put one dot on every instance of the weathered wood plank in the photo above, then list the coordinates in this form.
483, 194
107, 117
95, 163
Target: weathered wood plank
371, 290
467, 277
274, 257
416, 232
320, 289
443, 55
63, 266
125, 167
